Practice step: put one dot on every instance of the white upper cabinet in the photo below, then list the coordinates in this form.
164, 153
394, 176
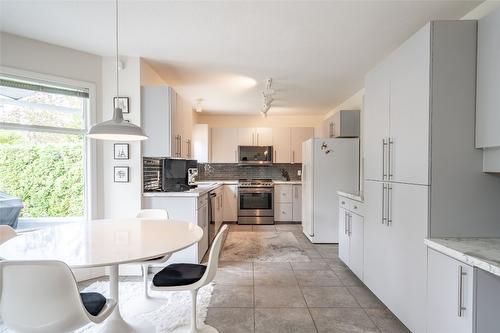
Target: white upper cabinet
264, 136
246, 136
261, 136
281, 145
376, 118
298, 136
344, 123
408, 149
162, 121
397, 114
488, 82
224, 145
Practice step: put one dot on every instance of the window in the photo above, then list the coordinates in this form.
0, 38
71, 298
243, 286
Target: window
43, 148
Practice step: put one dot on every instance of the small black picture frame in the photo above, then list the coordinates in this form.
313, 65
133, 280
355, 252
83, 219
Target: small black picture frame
121, 102
121, 151
121, 174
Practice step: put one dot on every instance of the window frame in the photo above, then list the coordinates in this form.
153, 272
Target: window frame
89, 116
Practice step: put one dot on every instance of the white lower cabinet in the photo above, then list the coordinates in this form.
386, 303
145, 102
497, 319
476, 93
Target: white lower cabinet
203, 223
230, 206
287, 202
283, 212
395, 265
450, 295
186, 209
356, 234
297, 203
351, 236
343, 237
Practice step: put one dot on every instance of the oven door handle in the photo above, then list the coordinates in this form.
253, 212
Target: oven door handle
254, 190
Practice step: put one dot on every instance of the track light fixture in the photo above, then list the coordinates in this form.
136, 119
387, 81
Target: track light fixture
267, 96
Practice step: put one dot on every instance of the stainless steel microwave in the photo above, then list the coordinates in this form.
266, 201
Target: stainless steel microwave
255, 155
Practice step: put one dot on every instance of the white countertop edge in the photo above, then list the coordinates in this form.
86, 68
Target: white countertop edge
472, 260
351, 196
285, 182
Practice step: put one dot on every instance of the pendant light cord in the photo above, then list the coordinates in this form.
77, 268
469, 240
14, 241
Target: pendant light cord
117, 60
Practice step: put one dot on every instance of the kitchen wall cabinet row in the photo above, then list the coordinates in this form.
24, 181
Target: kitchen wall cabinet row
423, 177
167, 119
288, 203
287, 142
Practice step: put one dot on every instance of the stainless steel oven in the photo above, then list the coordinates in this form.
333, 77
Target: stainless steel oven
255, 202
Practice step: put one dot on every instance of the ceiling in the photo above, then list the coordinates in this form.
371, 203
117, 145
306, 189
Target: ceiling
317, 52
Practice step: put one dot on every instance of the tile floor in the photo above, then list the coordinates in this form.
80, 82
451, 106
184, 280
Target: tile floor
320, 295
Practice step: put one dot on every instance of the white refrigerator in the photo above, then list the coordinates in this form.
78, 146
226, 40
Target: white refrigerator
328, 165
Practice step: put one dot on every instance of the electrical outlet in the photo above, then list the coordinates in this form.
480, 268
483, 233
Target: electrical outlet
299, 173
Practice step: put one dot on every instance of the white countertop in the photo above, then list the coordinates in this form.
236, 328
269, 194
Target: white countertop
206, 186
203, 188
358, 196
483, 253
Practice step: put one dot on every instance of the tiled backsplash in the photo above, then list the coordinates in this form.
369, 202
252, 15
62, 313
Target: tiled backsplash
232, 171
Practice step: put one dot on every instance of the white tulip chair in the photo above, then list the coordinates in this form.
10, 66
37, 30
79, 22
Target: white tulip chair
42, 297
191, 277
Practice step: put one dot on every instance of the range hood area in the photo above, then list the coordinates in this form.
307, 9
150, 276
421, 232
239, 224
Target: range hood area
255, 155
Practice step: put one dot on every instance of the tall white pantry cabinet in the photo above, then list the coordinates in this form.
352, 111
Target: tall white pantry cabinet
423, 176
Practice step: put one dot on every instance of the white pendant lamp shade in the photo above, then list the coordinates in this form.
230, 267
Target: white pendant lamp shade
116, 129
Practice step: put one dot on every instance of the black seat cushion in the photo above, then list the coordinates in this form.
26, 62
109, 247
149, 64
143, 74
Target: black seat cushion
93, 302
179, 275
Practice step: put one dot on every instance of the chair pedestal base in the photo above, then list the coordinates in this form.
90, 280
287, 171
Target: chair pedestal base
202, 329
118, 325
144, 305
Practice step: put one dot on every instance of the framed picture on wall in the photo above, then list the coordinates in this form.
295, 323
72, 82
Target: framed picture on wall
121, 151
121, 174
122, 103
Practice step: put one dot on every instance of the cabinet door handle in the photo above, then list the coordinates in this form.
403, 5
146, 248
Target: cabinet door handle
275, 156
293, 156
253, 139
349, 225
389, 205
257, 139
461, 275
345, 223
384, 187
384, 148
389, 158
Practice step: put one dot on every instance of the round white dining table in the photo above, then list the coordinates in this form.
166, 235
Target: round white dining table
99, 243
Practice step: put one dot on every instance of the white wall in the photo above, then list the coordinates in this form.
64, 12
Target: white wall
149, 76
121, 199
